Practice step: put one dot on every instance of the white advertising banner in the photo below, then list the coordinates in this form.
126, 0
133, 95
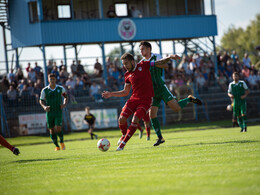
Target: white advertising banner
105, 118
32, 124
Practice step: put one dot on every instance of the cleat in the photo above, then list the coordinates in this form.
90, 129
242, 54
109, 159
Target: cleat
57, 148
242, 130
159, 141
96, 136
245, 129
120, 140
141, 134
62, 146
194, 100
148, 138
16, 151
119, 149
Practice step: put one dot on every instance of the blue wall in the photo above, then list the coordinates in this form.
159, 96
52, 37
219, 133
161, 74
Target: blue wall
22, 32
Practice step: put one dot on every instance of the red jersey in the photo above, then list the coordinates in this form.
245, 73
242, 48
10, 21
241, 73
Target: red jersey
141, 80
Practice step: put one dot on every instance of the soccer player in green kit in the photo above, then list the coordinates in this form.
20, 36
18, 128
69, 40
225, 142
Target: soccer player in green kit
51, 102
161, 91
238, 90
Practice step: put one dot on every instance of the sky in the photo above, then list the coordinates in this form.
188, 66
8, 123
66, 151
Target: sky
229, 12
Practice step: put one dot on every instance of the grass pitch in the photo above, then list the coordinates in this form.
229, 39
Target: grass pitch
208, 161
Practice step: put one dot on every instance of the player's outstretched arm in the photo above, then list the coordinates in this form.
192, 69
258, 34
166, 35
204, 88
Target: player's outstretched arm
122, 93
160, 63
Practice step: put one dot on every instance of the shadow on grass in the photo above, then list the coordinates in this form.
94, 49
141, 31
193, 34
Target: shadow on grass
37, 160
215, 143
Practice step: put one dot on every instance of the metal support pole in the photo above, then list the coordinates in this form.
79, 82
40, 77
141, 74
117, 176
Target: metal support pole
44, 66
186, 7
185, 47
76, 53
132, 49
71, 9
17, 59
157, 5
104, 62
100, 6
65, 55
212, 7
5, 49
215, 57
40, 12
174, 52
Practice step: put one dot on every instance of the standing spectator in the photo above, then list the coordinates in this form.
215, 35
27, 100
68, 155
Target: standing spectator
98, 69
12, 96
61, 65
247, 61
64, 75
19, 75
229, 70
86, 80
198, 59
4, 85
31, 75
49, 66
201, 83
28, 67
11, 76
226, 57
71, 84
56, 72
73, 67
38, 70
111, 12
37, 90
80, 69
234, 56
222, 81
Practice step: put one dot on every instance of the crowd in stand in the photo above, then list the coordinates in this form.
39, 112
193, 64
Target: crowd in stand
192, 70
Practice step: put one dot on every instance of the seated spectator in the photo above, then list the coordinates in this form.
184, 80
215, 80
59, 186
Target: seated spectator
252, 81
86, 80
205, 58
234, 56
247, 61
222, 81
79, 83
37, 90
201, 83
135, 13
98, 69
229, 70
12, 96
245, 72
70, 85
226, 57
64, 75
30, 87
25, 95
222, 68
49, 66
19, 75
95, 92
180, 85
31, 75
111, 12
21, 84
56, 72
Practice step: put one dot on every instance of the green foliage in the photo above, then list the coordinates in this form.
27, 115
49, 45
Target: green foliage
210, 161
243, 40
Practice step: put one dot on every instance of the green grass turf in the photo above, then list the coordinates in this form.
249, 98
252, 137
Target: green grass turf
209, 161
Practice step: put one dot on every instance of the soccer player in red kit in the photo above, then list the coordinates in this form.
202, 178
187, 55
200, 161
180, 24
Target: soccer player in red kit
138, 76
4, 143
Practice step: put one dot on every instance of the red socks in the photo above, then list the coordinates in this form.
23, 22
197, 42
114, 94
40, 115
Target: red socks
129, 134
4, 143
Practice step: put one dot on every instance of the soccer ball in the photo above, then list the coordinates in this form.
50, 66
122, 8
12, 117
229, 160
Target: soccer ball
103, 144
229, 108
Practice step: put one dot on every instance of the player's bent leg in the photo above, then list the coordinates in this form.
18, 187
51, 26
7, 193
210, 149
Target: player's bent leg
173, 104
194, 100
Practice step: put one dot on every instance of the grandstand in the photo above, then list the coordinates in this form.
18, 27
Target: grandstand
73, 23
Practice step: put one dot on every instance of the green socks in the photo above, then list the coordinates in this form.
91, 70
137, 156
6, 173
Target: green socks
54, 139
244, 121
240, 122
156, 126
60, 134
184, 102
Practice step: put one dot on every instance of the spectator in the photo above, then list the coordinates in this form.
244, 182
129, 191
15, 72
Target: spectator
61, 65
226, 57
64, 75
73, 67
71, 84
19, 75
252, 81
25, 95
111, 12
98, 69
11, 76
247, 61
49, 66
4, 85
31, 75
135, 13
229, 70
28, 67
245, 72
234, 56
80, 69
30, 87
198, 59
205, 58
56, 72
79, 83
222, 81
86, 80
21, 84
38, 71
201, 83
37, 90
95, 93
12, 96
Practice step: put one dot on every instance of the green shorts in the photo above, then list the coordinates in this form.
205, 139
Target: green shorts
53, 121
239, 109
162, 93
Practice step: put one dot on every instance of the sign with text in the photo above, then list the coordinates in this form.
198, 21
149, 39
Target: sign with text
105, 118
32, 124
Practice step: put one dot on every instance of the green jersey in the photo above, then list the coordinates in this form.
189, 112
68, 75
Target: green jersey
156, 73
53, 98
237, 90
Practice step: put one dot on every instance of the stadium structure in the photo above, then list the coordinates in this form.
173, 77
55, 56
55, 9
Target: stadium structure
71, 23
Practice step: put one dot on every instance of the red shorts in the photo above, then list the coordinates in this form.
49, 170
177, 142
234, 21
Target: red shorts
137, 107
146, 117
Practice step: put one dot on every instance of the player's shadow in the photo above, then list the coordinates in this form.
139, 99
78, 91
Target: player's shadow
37, 160
214, 143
